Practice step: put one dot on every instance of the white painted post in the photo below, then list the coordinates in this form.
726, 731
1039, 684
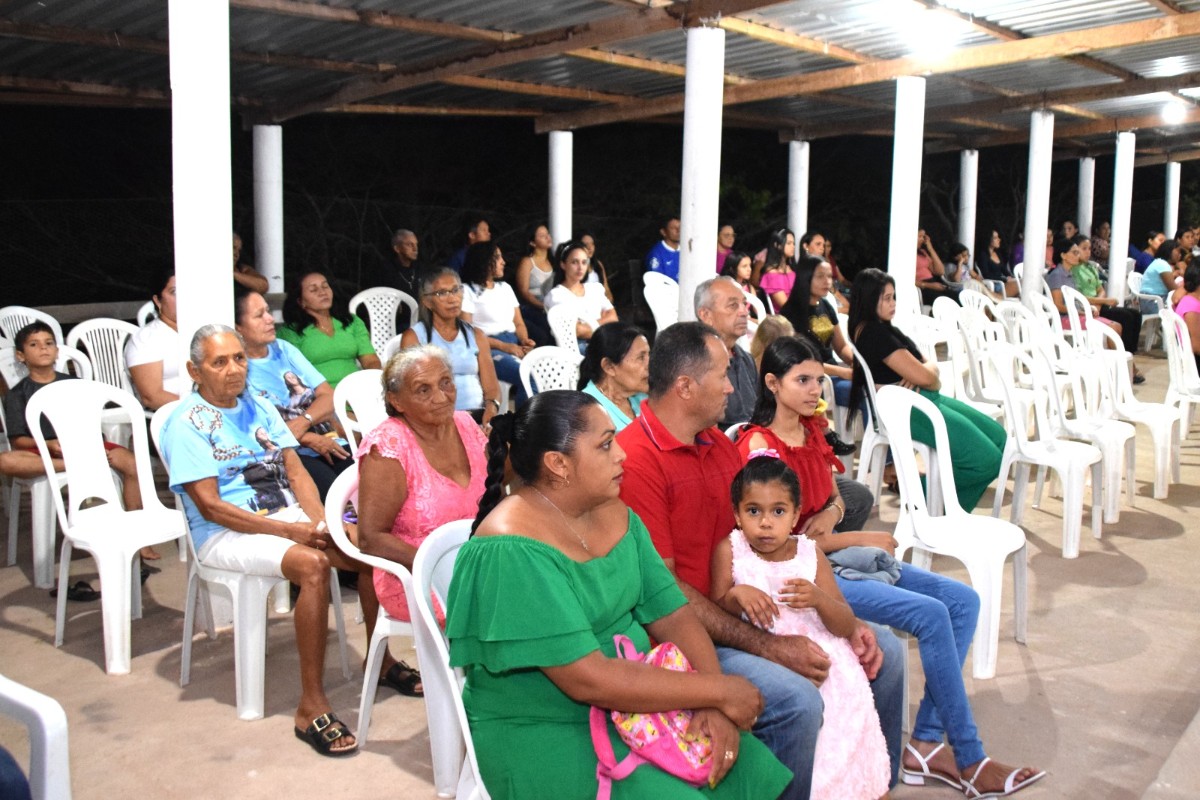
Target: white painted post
561, 185
202, 186
1171, 206
968, 198
907, 153
798, 187
1087, 193
1037, 200
268, 204
1118, 250
704, 94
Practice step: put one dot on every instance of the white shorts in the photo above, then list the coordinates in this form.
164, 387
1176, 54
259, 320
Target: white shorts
251, 553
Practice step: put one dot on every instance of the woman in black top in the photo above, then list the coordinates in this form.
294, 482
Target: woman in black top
813, 316
992, 262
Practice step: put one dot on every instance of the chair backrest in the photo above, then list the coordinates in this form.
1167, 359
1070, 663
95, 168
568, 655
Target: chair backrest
658, 279
869, 382
552, 368
977, 301
13, 318
381, 303
977, 340
562, 318
1134, 281
664, 303
433, 568
1178, 344
1079, 318
74, 409
1017, 367
145, 313
49, 747
1109, 350
70, 361
104, 342
1018, 271
394, 345
756, 305
363, 392
343, 490
946, 311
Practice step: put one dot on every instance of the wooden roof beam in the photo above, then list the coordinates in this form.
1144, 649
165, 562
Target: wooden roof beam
988, 55
432, 111
374, 19
1114, 126
544, 44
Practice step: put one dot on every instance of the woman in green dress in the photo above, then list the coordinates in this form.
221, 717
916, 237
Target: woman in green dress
552, 573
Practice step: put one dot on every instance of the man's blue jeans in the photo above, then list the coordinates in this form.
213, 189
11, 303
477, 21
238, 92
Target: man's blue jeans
792, 708
941, 613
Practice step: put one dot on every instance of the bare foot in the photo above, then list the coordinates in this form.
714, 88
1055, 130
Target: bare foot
992, 775
149, 554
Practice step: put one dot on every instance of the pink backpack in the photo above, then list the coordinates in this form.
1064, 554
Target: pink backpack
654, 738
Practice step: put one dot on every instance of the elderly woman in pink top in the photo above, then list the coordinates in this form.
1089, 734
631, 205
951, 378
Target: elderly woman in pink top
422, 467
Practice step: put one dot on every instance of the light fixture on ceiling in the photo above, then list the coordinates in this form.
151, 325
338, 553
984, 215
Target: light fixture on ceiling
1174, 111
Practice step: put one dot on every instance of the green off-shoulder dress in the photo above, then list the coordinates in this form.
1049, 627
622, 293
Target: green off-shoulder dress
516, 605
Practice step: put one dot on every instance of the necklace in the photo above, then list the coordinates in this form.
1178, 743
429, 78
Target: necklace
583, 543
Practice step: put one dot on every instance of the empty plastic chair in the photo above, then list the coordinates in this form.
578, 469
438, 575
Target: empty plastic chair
551, 368
381, 303
49, 746
362, 391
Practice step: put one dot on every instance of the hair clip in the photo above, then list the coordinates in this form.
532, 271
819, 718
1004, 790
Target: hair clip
763, 452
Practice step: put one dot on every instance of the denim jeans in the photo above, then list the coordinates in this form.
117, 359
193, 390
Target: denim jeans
792, 708
941, 613
13, 783
508, 367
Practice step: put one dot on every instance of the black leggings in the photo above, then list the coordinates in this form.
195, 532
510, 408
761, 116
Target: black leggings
323, 473
1130, 320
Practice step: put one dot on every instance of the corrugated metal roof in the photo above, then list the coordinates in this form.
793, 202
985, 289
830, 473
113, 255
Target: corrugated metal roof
315, 57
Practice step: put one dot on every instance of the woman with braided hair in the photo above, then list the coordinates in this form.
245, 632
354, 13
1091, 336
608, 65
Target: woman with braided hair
552, 572
422, 467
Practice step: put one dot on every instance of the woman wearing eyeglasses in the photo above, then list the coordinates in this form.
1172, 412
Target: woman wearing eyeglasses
470, 355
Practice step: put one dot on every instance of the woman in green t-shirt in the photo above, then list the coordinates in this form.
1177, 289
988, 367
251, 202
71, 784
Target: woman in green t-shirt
335, 341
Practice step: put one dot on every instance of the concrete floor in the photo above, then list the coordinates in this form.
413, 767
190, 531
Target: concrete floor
1104, 695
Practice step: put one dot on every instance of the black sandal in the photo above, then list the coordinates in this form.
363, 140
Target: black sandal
323, 732
80, 592
403, 679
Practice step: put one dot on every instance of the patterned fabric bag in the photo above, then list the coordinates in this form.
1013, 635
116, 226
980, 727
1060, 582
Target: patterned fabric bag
657, 737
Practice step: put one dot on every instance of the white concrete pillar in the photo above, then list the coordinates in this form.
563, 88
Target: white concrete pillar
704, 94
201, 183
1122, 207
907, 153
798, 188
1171, 206
1037, 200
268, 204
562, 167
1087, 193
968, 198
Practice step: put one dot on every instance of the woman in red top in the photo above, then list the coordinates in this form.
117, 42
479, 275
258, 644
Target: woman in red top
940, 612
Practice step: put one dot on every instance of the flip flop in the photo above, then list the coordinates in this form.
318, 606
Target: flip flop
914, 777
80, 591
323, 732
403, 679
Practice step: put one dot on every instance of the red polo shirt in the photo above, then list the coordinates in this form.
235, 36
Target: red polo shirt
681, 491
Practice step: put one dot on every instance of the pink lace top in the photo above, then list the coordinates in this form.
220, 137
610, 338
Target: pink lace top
433, 499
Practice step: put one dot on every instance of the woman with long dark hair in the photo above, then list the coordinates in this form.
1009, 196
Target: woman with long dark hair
333, 340
777, 276
568, 566
976, 440
489, 304
616, 371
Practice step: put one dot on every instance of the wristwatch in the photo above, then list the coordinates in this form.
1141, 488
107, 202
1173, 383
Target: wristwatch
308, 417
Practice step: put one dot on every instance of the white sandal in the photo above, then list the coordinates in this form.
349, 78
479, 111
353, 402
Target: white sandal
917, 778
1011, 786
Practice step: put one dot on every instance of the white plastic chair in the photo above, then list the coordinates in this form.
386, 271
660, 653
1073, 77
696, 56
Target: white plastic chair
1068, 459
651, 278
112, 534
455, 769
981, 543
382, 302
1183, 391
1151, 323
975, 301
146, 313
49, 746
759, 309
248, 595
362, 391
13, 318
391, 347
562, 319
551, 367
1162, 420
104, 342
345, 490
663, 299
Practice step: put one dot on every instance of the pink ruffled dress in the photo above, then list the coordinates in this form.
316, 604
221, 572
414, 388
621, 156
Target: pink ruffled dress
433, 499
851, 760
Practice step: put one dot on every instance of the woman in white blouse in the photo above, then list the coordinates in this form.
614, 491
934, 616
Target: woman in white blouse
153, 353
491, 305
570, 286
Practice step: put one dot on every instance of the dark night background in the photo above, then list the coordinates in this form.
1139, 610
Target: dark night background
85, 199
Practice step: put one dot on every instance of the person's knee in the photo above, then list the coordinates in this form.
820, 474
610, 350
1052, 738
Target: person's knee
310, 565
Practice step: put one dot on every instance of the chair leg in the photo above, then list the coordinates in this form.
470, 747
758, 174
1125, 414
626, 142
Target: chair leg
1097, 514
445, 739
1130, 469
987, 578
64, 576
13, 495
371, 678
1020, 592
1073, 511
250, 644
189, 627
115, 606
45, 522
1020, 487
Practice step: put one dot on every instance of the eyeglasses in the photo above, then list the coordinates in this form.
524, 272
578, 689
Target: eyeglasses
444, 293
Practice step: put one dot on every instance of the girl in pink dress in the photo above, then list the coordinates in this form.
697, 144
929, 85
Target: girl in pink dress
783, 583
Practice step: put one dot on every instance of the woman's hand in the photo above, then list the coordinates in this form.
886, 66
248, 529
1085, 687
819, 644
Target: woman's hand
326, 446
310, 534
884, 541
741, 701
723, 734
756, 604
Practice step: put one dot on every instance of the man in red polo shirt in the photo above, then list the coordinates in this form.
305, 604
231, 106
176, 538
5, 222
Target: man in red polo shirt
678, 469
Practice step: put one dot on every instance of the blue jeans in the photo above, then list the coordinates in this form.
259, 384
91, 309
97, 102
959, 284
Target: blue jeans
792, 708
941, 613
13, 783
508, 367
